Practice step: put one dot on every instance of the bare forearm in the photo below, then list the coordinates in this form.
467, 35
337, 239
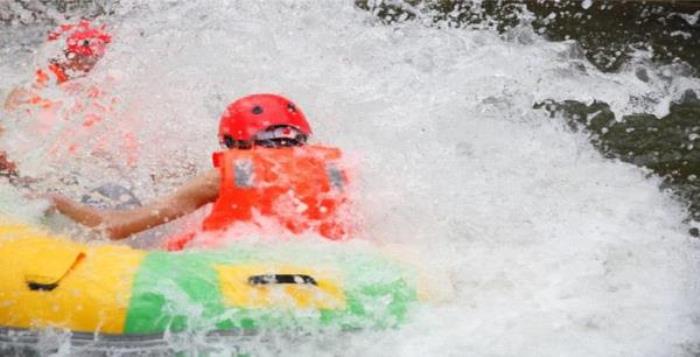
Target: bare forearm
121, 224
117, 224
82, 214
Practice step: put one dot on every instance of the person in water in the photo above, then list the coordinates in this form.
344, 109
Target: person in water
266, 171
85, 45
87, 103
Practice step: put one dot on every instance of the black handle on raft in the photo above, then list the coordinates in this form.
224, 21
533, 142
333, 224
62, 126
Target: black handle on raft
268, 279
33, 286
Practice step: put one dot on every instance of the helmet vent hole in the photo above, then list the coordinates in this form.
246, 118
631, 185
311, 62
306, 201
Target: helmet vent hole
291, 108
257, 110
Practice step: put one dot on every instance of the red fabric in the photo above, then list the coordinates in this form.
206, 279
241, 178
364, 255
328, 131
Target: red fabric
288, 185
179, 242
60, 74
42, 78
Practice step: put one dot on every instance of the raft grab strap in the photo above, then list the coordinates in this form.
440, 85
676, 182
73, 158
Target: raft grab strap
268, 279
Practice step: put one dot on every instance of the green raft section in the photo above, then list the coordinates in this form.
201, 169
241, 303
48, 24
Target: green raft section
206, 290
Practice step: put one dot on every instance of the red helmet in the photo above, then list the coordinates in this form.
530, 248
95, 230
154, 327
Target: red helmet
263, 119
83, 39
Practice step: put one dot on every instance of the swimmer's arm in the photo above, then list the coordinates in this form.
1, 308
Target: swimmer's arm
120, 224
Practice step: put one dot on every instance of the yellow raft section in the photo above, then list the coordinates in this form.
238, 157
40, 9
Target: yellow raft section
93, 297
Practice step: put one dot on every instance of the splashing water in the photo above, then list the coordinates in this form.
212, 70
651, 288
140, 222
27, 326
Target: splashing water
552, 249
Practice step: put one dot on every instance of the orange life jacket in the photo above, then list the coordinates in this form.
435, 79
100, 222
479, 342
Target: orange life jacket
43, 77
302, 188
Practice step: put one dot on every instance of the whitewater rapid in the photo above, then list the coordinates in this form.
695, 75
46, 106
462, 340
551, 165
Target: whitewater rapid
551, 249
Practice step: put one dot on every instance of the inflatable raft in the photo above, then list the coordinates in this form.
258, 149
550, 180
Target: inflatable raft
115, 290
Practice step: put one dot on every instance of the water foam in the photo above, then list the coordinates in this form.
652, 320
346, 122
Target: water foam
552, 249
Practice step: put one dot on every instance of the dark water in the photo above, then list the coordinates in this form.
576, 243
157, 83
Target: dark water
608, 34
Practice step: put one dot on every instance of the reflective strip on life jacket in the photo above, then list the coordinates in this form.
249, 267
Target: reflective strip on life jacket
244, 173
335, 176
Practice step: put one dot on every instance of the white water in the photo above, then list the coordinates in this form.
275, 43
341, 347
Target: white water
552, 249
